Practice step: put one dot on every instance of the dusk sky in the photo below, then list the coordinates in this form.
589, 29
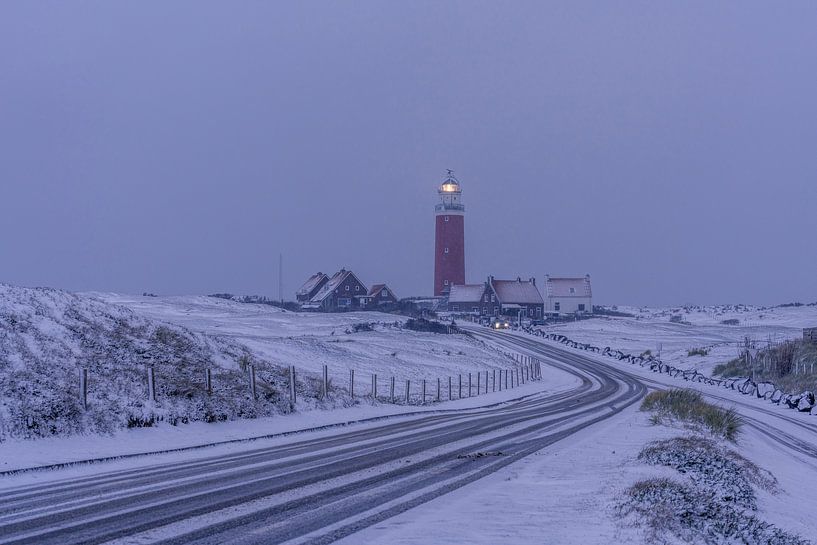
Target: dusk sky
668, 149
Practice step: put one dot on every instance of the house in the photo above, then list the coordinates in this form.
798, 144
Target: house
518, 297
497, 297
565, 295
344, 291
476, 299
380, 295
311, 287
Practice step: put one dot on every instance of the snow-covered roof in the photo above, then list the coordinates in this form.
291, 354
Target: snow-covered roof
466, 293
330, 286
310, 284
517, 291
568, 287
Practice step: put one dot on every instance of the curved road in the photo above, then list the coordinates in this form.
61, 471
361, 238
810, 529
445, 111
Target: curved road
315, 490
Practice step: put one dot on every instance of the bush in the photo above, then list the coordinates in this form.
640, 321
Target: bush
427, 326
689, 406
731, 321
698, 352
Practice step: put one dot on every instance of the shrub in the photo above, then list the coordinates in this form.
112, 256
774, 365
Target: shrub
731, 321
689, 406
698, 352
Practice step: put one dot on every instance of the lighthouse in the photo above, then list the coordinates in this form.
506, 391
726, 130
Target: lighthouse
449, 237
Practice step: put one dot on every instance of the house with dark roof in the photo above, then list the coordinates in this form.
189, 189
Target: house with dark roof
568, 295
344, 291
518, 297
476, 299
497, 297
380, 295
311, 287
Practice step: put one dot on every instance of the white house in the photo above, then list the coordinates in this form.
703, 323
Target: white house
568, 295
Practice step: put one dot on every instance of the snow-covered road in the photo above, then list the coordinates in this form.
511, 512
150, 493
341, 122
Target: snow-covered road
311, 490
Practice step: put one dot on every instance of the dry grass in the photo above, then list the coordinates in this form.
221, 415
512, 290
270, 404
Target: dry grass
689, 406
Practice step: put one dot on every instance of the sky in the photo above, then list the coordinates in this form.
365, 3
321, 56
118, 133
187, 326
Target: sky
667, 149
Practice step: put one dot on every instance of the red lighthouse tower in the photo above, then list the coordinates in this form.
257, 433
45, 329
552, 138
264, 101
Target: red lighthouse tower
449, 247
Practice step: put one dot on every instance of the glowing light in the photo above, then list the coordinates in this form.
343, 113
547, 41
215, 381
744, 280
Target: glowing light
449, 188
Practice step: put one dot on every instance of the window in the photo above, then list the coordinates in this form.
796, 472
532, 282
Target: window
486, 297
385, 292
493, 298
538, 312
572, 290
556, 306
455, 308
446, 218
446, 249
581, 308
445, 282
475, 310
347, 288
357, 288
485, 310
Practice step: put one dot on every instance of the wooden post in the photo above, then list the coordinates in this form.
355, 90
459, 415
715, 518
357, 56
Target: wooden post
374, 386
469, 384
325, 391
459, 395
438, 389
424, 393
208, 381
493, 380
83, 387
352, 383
151, 385
408, 390
506, 378
292, 397
252, 381
479, 381
449, 388
486, 382
391, 390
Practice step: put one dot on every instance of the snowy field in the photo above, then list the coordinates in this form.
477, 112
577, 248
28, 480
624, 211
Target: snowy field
310, 340
652, 330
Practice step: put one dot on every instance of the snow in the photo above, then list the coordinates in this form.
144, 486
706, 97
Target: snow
651, 329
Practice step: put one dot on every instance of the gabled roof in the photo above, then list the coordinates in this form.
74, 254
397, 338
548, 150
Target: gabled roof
560, 286
310, 284
466, 293
377, 288
517, 291
336, 280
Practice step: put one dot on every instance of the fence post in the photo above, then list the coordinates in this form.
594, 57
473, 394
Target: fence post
83, 387
352, 383
391, 390
374, 386
424, 392
506, 378
469, 384
479, 381
517, 376
449, 388
493, 381
438, 389
459, 395
208, 381
252, 382
325, 391
486, 382
151, 384
292, 398
408, 389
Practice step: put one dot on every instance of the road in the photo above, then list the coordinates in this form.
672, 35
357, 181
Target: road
314, 490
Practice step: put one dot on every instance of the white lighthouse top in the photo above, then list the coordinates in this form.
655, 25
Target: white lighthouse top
450, 195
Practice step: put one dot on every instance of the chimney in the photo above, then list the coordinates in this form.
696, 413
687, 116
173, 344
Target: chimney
533, 280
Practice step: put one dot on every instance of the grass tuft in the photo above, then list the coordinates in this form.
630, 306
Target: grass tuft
689, 406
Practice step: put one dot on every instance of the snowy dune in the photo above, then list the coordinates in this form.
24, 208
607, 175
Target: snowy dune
651, 329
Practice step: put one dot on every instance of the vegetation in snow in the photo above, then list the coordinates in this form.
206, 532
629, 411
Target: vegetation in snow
713, 500
689, 407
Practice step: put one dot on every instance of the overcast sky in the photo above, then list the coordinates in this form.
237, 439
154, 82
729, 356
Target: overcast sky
668, 149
